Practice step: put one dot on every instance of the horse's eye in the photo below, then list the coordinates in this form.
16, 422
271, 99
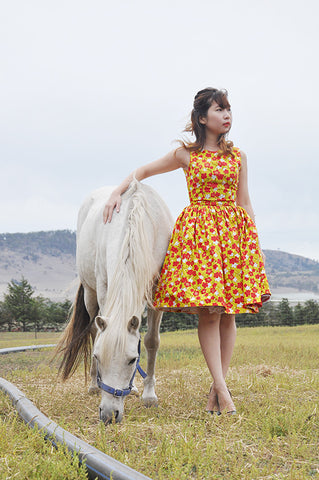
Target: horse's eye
132, 361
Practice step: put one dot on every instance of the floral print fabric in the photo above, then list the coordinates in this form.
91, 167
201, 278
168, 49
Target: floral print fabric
213, 258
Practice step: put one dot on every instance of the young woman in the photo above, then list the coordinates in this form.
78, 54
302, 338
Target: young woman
214, 265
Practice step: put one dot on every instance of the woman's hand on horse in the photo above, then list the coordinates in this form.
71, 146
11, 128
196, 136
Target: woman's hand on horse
113, 202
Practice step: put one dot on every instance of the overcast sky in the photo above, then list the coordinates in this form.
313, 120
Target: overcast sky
90, 90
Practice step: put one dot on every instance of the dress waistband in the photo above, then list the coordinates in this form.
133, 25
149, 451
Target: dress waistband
213, 202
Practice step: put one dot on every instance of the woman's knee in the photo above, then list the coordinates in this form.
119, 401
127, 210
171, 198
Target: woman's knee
228, 320
205, 317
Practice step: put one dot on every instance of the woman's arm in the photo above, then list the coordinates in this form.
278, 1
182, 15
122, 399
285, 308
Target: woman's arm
243, 199
178, 158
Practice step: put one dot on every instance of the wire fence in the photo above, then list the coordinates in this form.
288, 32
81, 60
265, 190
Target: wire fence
270, 314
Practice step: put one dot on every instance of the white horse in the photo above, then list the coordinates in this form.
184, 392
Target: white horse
118, 265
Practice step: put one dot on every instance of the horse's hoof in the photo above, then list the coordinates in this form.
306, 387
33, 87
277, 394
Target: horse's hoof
93, 390
150, 402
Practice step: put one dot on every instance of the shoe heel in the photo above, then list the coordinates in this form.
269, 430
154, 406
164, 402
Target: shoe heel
218, 411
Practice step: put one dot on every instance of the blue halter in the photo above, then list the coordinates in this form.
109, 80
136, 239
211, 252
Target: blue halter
117, 392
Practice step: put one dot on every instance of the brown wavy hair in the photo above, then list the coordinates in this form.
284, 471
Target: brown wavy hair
202, 101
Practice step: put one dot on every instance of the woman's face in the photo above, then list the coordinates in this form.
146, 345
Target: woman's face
218, 119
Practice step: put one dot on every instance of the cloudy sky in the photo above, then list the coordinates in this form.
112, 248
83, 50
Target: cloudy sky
90, 90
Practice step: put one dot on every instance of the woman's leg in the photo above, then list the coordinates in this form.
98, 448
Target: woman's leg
217, 343
227, 329
209, 339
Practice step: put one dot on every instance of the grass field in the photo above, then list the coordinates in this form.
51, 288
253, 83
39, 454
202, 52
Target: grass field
274, 380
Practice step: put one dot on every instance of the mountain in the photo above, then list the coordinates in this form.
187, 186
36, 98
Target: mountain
292, 276
47, 261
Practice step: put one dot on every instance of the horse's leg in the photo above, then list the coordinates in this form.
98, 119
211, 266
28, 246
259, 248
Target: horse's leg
93, 388
91, 304
151, 342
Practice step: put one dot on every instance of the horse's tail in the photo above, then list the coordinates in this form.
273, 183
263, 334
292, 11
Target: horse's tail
75, 343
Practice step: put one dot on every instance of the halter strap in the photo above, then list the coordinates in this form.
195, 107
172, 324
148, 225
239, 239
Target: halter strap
126, 391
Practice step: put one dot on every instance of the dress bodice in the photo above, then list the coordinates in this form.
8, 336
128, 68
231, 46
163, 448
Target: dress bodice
213, 259
212, 177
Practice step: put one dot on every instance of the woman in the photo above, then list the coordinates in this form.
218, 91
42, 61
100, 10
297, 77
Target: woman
214, 265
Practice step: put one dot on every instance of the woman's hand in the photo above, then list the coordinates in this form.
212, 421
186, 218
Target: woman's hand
114, 201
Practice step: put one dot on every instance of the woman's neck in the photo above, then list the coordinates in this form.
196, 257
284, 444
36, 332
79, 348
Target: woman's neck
211, 142
211, 147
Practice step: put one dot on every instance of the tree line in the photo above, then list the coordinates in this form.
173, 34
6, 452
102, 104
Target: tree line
271, 314
20, 310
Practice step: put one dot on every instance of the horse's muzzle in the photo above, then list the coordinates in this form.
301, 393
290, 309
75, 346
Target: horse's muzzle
109, 417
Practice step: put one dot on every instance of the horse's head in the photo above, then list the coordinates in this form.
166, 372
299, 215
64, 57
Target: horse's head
116, 354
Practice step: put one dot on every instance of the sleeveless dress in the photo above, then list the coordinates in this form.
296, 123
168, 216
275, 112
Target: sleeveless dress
213, 258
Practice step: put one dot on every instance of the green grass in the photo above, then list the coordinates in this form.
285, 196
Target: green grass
25, 455
274, 380
20, 339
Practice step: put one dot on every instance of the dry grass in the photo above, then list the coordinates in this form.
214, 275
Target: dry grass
275, 383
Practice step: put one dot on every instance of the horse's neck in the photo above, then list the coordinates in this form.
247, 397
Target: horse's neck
130, 263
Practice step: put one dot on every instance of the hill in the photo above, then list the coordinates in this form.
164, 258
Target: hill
47, 261
286, 270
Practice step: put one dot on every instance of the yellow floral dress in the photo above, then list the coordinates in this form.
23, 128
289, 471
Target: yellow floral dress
213, 258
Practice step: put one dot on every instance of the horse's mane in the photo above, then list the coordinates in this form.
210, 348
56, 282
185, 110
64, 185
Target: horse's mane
132, 283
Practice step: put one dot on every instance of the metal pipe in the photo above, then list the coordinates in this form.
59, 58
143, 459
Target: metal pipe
23, 349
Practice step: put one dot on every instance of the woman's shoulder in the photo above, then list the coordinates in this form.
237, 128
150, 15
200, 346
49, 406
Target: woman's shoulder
237, 150
240, 153
243, 156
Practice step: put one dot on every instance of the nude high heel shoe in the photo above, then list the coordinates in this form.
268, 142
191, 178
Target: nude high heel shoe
212, 404
228, 407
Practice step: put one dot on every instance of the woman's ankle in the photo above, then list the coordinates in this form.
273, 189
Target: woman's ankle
225, 400
220, 386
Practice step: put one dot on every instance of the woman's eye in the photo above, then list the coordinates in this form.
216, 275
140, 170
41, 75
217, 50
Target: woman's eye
132, 361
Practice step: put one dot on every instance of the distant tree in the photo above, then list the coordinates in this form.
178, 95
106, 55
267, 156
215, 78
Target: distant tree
311, 311
178, 321
299, 316
20, 309
271, 317
53, 314
19, 305
6, 321
266, 316
173, 321
285, 312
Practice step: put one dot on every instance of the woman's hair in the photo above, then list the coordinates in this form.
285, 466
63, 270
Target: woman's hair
202, 101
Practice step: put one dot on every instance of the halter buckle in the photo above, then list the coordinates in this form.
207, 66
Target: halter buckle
118, 393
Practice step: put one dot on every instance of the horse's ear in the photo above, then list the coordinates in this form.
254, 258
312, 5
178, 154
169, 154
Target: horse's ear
133, 324
101, 323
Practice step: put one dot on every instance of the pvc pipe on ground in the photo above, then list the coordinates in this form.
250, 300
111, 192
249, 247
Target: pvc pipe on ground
23, 349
